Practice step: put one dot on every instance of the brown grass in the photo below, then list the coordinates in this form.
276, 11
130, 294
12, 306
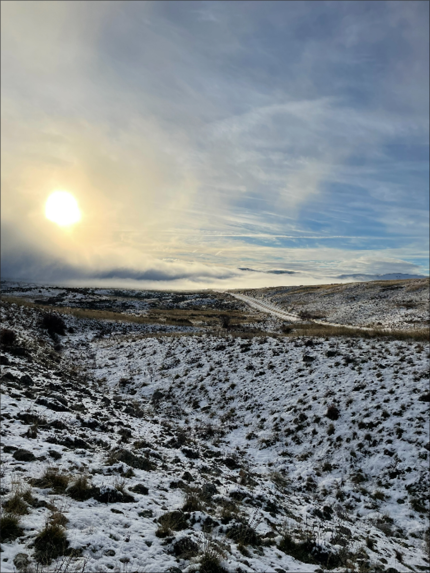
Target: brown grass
320, 330
172, 317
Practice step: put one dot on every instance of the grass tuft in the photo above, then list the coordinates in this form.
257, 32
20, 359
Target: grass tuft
51, 543
9, 528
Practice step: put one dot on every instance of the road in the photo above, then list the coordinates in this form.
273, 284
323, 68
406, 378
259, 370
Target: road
270, 308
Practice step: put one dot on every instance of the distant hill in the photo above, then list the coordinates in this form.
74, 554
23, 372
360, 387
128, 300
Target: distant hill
274, 272
386, 277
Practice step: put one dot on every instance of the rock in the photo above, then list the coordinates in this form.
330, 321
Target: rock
157, 396
54, 454
146, 513
185, 548
187, 477
345, 531
109, 553
73, 443
424, 398
18, 351
9, 449
8, 376
4, 360
24, 456
178, 485
190, 454
21, 561
140, 488
131, 460
52, 404
173, 570
26, 380
208, 490
60, 399
307, 358
231, 463
109, 494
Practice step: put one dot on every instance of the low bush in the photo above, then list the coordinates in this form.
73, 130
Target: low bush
331, 430
81, 489
192, 502
171, 521
210, 562
7, 337
16, 505
53, 323
9, 528
53, 479
50, 543
244, 534
333, 412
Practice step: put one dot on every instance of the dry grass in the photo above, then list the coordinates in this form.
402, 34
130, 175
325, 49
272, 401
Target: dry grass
171, 317
320, 330
53, 479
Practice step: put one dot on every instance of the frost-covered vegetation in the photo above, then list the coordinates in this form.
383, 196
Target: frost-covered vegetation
387, 304
211, 450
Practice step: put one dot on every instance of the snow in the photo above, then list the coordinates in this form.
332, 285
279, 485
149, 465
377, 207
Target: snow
247, 415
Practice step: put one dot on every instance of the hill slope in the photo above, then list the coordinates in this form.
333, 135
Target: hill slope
260, 454
398, 304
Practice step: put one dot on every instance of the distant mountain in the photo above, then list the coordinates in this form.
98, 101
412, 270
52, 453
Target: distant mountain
386, 277
275, 272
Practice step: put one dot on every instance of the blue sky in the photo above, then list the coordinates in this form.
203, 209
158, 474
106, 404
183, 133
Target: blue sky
199, 137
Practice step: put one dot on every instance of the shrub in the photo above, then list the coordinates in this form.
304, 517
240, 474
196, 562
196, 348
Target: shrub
331, 430
185, 548
333, 412
54, 324
244, 534
210, 562
81, 490
172, 520
52, 479
16, 505
302, 551
279, 480
9, 528
192, 502
51, 543
130, 459
7, 337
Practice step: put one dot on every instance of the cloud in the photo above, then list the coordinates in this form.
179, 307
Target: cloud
223, 134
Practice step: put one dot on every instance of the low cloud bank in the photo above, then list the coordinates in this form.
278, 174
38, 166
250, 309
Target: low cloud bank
162, 275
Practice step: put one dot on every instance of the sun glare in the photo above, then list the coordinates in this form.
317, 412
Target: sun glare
62, 208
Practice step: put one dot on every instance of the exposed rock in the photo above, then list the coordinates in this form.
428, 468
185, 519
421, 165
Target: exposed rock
22, 455
140, 488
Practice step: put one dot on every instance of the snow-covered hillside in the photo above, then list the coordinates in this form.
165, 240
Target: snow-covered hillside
400, 304
169, 453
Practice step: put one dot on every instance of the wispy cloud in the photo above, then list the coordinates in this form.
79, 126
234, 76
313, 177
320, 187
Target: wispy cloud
219, 134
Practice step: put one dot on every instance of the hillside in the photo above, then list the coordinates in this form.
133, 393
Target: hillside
397, 304
202, 449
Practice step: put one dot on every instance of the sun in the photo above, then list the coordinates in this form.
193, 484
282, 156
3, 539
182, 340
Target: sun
62, 208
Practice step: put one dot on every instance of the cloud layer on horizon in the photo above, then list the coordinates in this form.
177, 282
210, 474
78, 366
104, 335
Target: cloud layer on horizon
203, 137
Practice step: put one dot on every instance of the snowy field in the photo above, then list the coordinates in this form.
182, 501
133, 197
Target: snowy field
397, 304
195, 450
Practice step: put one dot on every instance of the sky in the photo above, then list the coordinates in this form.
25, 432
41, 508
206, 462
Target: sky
199, 138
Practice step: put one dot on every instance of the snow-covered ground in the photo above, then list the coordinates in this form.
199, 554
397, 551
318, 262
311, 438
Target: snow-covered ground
397, 304
274, 450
